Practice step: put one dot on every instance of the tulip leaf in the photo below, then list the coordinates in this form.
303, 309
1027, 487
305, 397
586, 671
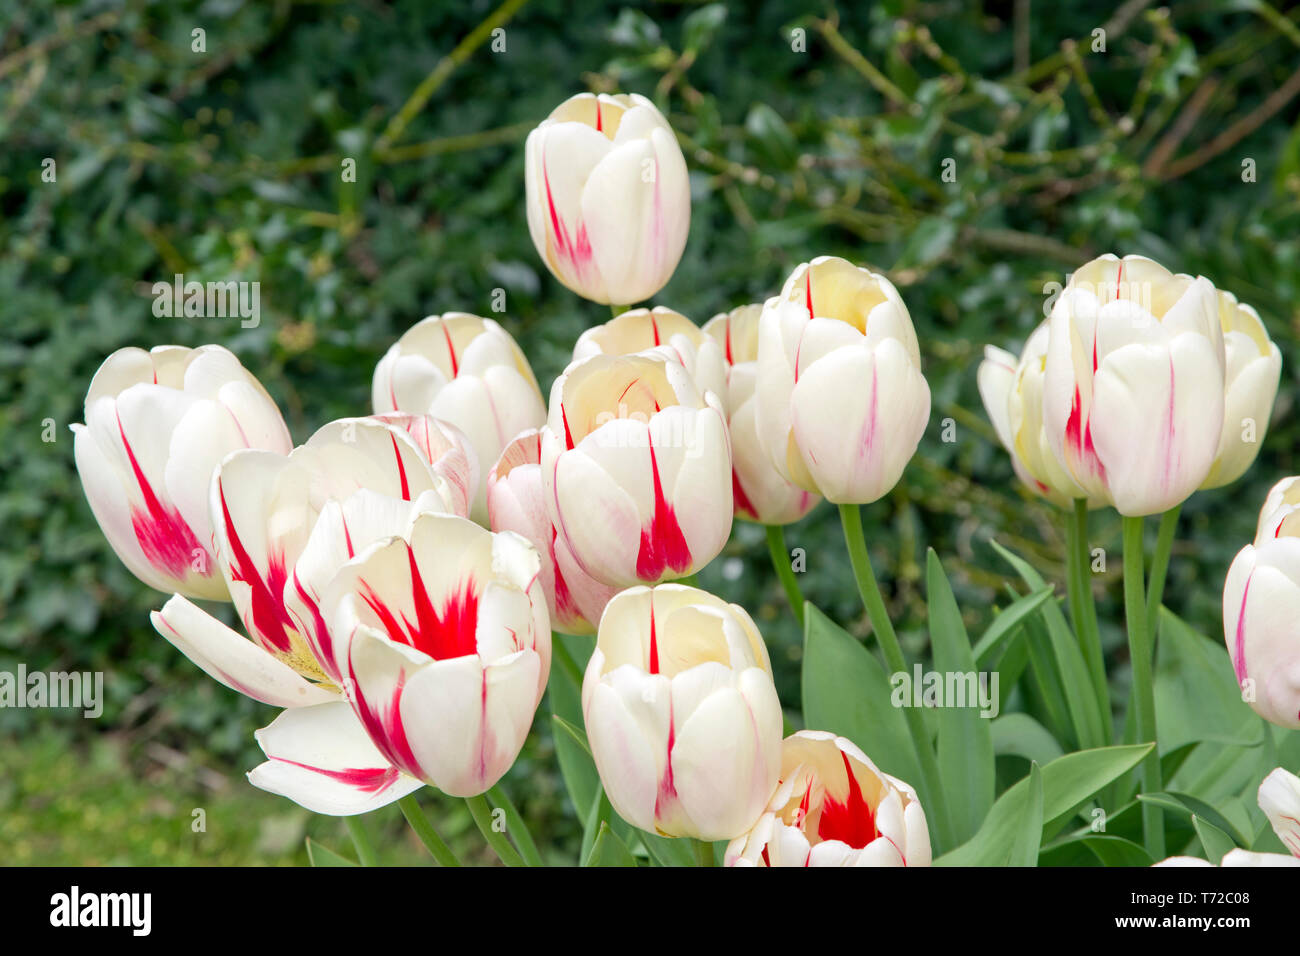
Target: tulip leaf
1190, 806
1068, 782
1020, 735
700, 26
1076, 680
847, 692
608, 850
321, 855
1215, 842
1024, 849
667, 851
1090, 849
965, 738
1006, 628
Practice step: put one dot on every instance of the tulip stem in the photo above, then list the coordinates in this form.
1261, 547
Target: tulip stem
704, 853
851, 518
781, 564
517, 828
419, 822
1083, 609
1160, 566
482, 814
1141, 654
361, 840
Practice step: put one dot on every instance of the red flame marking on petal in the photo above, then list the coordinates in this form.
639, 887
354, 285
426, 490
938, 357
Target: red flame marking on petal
663, 545
167, 541
853, 821
267, 619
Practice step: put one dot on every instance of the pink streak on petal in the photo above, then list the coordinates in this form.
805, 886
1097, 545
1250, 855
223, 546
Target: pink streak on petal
1239, 656
267, 620
365, 779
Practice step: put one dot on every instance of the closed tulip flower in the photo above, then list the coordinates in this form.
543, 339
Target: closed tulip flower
1133, 390
517, 502
468, 372
842, 403
1279, 798
609, 202
1252, 370
834, 808
636, 467
1261, 608
1012, 391
157, 424
681, 713
761, 493
640, 330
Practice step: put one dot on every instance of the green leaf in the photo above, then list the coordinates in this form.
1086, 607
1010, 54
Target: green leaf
699, 28
571, 749
1024, 850
1190, 806
597, 819
1021, 736
847, 692
930, 240
667, 851
965, 738
1215, 842
608, 850
1006, 628
776, 144
321, 855
1068, 782
1091, 848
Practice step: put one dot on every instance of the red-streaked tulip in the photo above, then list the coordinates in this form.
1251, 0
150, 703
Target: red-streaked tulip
449, 647
466, 371
517, 502
834, 808
1133, 392
1012, 391
1252, 370
636, 467
1261, 608
842, 403
1234, 858
1279, 798
157, 424
640, 330
681, 713
608, 198
761, 493
449, 453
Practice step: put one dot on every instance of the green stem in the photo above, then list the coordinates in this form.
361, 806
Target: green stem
1083, 610
516, 827
1141, 653
704, 853
361, 840
415, 816
567, 663
1160, 566
482, 814
688, 580
781, 564
617, 310
851, 518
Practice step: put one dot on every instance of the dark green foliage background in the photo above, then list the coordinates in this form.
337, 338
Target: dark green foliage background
226, 165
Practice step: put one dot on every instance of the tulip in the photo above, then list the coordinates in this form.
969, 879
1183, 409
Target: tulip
517, 502
834, 808
681, 713
1133, 391
1012, 391
448, 648
157, 424
761, 494
641, 330
1261, 607
466, 371
842, 403
1234, 858
609, 202
1252, 370
1279, 798
636, 468
449, 453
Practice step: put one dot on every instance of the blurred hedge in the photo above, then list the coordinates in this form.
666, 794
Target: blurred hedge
226, 165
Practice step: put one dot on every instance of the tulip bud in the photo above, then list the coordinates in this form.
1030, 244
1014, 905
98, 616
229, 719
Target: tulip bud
842, 403
636, 468
760, 492
517, 502
1279, 798
1133, 389
681, 713
466, 371
609, 202
832, 807
1012, 391
157, 424
1261, 607
1252, 370
640, 330
448, 649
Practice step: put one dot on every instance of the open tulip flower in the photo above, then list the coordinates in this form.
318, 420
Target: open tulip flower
640, 330
1261, 610
517, 502
1279, 798
1133, 390
834, 808
636, 467
761, 493
157, 424
609, 202
681, 713
466, 371
842, 403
